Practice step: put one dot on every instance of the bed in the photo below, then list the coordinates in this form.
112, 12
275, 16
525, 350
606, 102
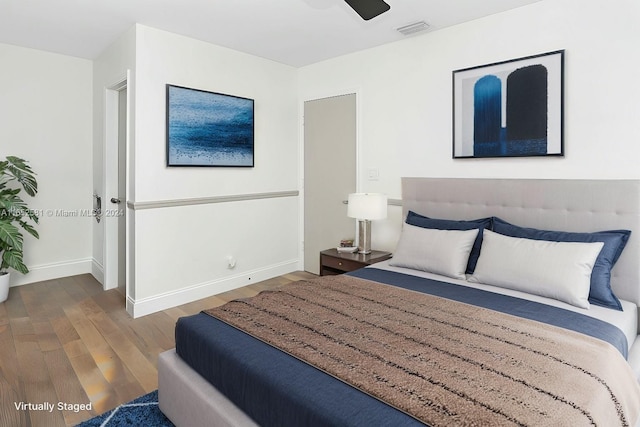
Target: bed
218, 374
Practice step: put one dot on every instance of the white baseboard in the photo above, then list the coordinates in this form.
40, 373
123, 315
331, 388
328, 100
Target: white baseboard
40, 273
97, 270
142, 307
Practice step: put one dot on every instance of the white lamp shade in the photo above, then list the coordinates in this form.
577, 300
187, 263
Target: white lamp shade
367, 206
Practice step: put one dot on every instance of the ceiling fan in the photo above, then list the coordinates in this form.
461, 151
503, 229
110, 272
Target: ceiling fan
368, 9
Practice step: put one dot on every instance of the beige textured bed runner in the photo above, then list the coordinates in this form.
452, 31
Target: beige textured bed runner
443, 362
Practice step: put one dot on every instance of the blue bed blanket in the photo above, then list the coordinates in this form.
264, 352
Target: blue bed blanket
276, 389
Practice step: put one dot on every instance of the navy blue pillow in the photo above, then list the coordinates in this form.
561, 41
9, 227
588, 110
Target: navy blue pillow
614, 241
449, 224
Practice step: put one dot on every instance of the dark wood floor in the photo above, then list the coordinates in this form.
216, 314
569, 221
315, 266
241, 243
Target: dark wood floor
68, 342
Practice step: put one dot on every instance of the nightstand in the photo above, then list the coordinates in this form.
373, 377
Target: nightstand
334, 262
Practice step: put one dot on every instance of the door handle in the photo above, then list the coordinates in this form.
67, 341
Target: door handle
114, 200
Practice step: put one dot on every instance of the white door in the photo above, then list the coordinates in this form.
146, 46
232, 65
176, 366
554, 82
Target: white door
122, 190
329, 174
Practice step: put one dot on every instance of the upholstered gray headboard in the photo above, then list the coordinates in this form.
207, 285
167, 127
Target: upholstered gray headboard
568, 205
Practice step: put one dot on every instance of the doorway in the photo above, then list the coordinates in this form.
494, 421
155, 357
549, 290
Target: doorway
115, 187
330, 133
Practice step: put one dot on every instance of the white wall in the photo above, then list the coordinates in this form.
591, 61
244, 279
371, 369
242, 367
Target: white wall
45, 101
181, 252
405, 93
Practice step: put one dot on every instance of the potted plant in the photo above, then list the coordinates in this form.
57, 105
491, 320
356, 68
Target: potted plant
15, 176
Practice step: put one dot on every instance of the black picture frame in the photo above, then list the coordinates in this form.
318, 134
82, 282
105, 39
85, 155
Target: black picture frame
208, 128
511, 108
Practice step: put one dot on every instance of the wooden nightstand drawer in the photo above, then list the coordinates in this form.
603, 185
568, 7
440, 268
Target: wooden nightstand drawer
339, 263
334, 262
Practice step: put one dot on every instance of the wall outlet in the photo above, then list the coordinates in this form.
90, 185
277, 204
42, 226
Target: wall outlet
231, 262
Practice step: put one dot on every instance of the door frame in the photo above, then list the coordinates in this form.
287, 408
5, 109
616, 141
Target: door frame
315, 97
110, 180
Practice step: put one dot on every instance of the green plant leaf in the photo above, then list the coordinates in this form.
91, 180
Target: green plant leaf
23, 173
12, 258
10, 235
29, 229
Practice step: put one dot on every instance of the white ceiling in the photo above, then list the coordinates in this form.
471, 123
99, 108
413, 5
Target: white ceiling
294, 32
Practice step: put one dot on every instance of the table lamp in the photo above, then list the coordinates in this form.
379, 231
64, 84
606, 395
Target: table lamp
366, 207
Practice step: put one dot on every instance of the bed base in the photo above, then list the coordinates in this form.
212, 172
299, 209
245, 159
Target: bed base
187, 399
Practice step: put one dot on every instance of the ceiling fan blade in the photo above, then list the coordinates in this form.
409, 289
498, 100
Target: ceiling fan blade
368, 9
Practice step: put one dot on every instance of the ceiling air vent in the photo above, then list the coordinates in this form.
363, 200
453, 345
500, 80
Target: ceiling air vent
413, 28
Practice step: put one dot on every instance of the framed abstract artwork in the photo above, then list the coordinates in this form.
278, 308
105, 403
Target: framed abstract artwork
208, 128
510, 109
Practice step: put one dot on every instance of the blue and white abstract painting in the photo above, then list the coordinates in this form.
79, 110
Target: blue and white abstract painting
509, 109
209, 129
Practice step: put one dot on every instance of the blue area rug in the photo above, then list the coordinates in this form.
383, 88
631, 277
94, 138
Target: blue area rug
142, 411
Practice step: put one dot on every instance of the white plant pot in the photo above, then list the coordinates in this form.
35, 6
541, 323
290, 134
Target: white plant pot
4, 286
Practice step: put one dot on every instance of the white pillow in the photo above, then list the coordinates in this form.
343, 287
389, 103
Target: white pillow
443, 252
558, 270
